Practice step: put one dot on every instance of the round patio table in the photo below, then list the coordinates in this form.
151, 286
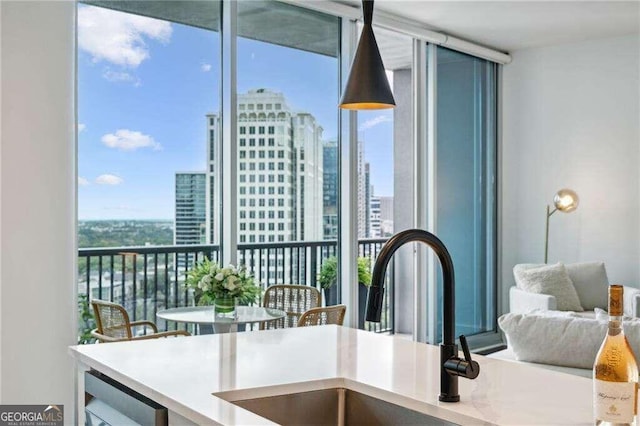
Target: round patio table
208, 322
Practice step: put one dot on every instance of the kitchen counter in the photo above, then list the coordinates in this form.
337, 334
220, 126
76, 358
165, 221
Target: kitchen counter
186, 374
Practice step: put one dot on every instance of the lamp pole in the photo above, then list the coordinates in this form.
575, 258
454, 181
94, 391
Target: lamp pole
546, 235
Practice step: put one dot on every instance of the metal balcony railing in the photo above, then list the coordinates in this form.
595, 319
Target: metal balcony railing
148, 279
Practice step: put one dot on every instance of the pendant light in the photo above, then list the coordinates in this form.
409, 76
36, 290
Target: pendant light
367, 86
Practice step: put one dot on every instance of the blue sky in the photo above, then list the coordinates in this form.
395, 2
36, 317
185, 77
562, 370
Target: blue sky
144, 87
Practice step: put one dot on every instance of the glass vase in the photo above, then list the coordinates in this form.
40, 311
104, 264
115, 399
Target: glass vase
225, 307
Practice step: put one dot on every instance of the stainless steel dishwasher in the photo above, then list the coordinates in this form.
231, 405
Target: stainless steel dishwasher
110, 403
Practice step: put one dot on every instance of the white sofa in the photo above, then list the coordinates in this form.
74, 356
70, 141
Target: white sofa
590, 282
591, 285
561, 341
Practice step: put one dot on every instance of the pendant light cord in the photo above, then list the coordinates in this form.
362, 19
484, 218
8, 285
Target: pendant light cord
367, 11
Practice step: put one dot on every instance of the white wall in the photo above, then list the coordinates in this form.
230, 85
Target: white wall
37, 198
571, 119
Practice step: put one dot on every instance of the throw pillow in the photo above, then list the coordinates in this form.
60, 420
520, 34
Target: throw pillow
519, 268
569, 341
591, 283
552, 280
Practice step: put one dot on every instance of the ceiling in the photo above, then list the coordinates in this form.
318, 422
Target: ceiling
512, 25
502, 25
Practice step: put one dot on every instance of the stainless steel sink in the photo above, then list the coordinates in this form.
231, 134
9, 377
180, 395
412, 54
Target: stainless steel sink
337, 406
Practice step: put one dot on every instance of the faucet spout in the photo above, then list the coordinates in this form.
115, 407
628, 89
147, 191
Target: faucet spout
451, 365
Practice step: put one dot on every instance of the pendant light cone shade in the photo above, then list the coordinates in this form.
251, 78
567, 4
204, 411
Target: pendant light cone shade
367, 86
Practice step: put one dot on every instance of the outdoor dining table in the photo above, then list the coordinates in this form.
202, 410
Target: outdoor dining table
208, 322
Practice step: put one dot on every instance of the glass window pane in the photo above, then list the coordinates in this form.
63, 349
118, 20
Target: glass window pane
148, 79
288, 90
377, 132
465, 183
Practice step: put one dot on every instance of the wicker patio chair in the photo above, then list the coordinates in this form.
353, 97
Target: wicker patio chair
320, 316
113, 324
293, 299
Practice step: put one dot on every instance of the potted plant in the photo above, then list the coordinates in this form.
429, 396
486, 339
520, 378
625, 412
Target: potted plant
85, 320
329, 277
222, 287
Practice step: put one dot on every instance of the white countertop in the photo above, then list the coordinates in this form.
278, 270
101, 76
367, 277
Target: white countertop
183, 374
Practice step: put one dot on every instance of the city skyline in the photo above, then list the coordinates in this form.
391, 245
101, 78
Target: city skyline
143, 86
287, 180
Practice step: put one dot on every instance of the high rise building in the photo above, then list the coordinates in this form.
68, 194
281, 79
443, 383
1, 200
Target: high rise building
287, 179
364, 195
330, 190
280, 181
307, 141
190, 214
375, 230
280, 171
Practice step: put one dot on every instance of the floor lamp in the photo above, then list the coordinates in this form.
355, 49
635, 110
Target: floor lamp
565, 201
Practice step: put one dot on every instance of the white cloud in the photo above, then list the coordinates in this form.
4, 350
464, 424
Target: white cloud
82, 181
108, 179
120, 77
118, 38
205, 67
81, 127
129, 140
374, 122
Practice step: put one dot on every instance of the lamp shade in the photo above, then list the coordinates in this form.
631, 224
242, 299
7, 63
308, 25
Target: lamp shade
367, 85
566, 200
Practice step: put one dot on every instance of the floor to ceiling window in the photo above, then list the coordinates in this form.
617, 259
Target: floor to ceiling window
148, 81
153, 85
465, 183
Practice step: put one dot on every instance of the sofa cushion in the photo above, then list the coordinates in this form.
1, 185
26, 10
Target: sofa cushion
589, 280
591, 283
552, 280
567, 340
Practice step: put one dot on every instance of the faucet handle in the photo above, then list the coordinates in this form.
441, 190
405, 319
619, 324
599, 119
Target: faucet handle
473, 367
463, 367
465, 348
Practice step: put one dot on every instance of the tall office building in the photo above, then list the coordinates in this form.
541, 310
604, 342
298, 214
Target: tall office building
364, 195
307, 141
375, 230
280, 179
190, 214
330, 190
280, 171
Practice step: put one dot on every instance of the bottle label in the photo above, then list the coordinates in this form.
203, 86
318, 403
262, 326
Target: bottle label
614, 401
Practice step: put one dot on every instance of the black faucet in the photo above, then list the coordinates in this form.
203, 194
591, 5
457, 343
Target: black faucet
450, 365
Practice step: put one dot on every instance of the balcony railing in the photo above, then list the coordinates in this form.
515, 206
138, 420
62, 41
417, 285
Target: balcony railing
148, 279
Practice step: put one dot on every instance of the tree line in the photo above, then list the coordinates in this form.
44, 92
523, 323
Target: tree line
124, 233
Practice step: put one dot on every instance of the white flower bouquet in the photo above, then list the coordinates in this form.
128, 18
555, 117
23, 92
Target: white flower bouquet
210, 282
